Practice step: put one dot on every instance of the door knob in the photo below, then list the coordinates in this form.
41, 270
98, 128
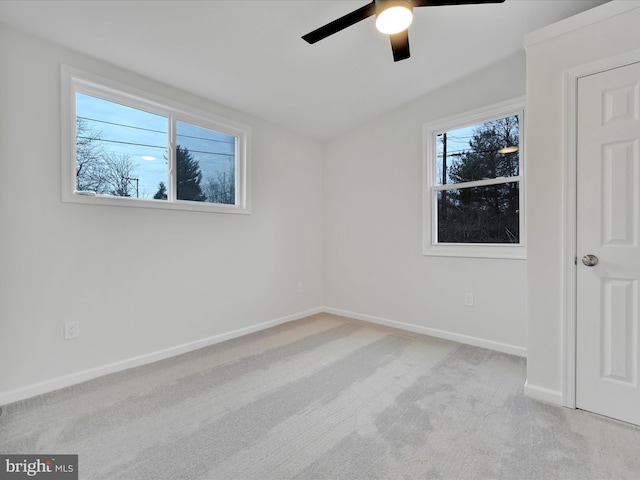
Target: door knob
590, 260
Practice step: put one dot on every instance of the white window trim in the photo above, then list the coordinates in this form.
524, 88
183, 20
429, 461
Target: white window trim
74, 80
430, 131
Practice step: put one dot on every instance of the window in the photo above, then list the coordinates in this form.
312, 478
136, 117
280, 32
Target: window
474, 191
128, 148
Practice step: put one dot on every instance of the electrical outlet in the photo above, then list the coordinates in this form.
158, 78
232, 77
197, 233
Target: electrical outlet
71, 330
468, 299
299, 287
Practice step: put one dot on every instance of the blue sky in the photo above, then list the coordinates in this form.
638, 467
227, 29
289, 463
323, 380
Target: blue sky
457, 142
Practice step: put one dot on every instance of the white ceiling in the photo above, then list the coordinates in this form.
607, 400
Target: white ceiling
248, 54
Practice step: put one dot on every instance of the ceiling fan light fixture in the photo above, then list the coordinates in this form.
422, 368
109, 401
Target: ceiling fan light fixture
394, 16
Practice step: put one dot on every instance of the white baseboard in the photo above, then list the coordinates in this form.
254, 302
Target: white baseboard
433, 332
89, 374
542, 394
84, 375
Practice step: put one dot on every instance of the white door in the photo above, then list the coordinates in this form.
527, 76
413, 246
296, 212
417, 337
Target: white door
608, 229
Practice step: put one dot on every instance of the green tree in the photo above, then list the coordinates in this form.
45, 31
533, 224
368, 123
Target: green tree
483, 159
490, 213
161, 194
188, 176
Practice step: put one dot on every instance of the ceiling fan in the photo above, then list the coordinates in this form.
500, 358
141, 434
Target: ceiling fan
393, 17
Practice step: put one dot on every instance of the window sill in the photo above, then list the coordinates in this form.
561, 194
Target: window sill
107, 200
508, 252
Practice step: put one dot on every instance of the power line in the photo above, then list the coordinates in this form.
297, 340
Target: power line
213, 153
455, 153
153, 146
122, 125
458, 153
122, 143
206, 139
164, 132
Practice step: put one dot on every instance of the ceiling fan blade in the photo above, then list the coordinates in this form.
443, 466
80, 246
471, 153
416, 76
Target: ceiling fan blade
341, 23
438, 3
400, 45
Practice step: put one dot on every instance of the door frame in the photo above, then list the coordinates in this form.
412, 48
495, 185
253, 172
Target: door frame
570, 210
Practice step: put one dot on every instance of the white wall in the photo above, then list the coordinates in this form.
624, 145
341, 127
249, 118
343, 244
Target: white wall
344, 218
600, 33
374, 268
139, 280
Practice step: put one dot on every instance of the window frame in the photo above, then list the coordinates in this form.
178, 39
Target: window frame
430, 132
74, 80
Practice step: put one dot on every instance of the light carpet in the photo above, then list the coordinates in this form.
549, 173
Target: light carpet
321, 398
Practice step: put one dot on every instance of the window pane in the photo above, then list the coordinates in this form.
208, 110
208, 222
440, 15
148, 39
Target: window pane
487, 150
206, 165
487, 214
120, 150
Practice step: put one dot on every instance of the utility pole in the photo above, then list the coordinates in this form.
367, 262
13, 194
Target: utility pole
443, 193
129, 180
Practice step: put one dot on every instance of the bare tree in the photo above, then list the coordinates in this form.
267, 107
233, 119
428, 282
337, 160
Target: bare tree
221, 188
105, 173
120, 174
90, 172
